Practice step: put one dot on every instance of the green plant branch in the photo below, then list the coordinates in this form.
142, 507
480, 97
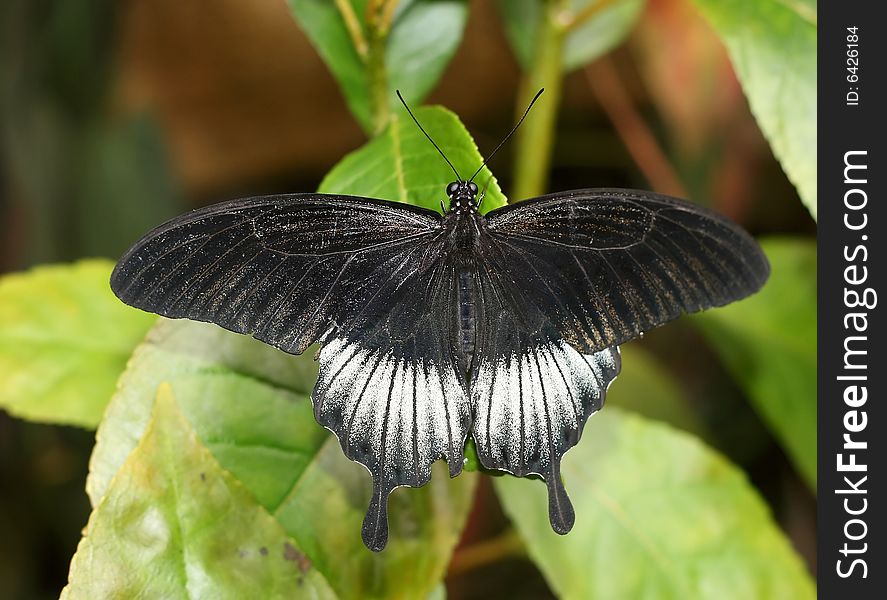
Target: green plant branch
387, 13
573, 20
630, 126
352, 24
379, 17
505, 545
536, 136
370, 47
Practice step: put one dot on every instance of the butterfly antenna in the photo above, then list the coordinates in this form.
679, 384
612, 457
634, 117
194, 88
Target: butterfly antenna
422, 129
483, 192
510, 133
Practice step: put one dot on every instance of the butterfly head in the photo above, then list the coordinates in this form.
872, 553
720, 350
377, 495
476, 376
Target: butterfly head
463, 196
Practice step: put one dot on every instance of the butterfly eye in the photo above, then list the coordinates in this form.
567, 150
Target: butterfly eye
452, 188
473, 187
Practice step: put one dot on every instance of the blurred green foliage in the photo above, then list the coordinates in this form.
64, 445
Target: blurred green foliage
593, 28
768, 342
66, 160
773, 47
375, 47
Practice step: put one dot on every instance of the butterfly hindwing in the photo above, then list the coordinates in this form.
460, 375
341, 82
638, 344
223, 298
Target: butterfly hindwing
392, 393
532, 392
608, 265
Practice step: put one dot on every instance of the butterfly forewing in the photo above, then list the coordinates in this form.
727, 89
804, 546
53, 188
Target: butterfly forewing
281, 268
607, 265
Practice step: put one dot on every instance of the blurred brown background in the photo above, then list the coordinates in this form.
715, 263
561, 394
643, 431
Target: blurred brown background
117, 115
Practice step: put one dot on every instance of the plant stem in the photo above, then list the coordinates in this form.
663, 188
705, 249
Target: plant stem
388, 14
488, 551
377, 77
587, 12
640, 142
352, 24
535, 138
379, 16
370, 47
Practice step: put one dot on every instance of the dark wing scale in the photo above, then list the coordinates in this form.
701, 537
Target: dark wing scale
391, 391
531, 391
607, 265
278, 267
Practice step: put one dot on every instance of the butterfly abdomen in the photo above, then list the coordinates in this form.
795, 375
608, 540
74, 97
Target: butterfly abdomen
466, 326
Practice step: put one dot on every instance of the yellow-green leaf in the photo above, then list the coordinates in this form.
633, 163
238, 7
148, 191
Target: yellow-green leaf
658, 515
64, 341
248, 403
401, 164
174, 524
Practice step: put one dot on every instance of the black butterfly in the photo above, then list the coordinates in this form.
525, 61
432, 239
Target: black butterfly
432, 326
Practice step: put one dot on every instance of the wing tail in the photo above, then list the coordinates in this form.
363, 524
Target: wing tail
560, 510
375, 524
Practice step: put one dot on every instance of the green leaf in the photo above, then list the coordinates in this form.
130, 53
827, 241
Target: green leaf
595, 32
658, 515
248, 402
645, 387
412, 56
64, 341
768, 342
192, 355
401, 164
174, 524
772, 44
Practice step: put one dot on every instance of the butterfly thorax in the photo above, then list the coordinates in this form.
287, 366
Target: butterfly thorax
464, 230
462, 221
